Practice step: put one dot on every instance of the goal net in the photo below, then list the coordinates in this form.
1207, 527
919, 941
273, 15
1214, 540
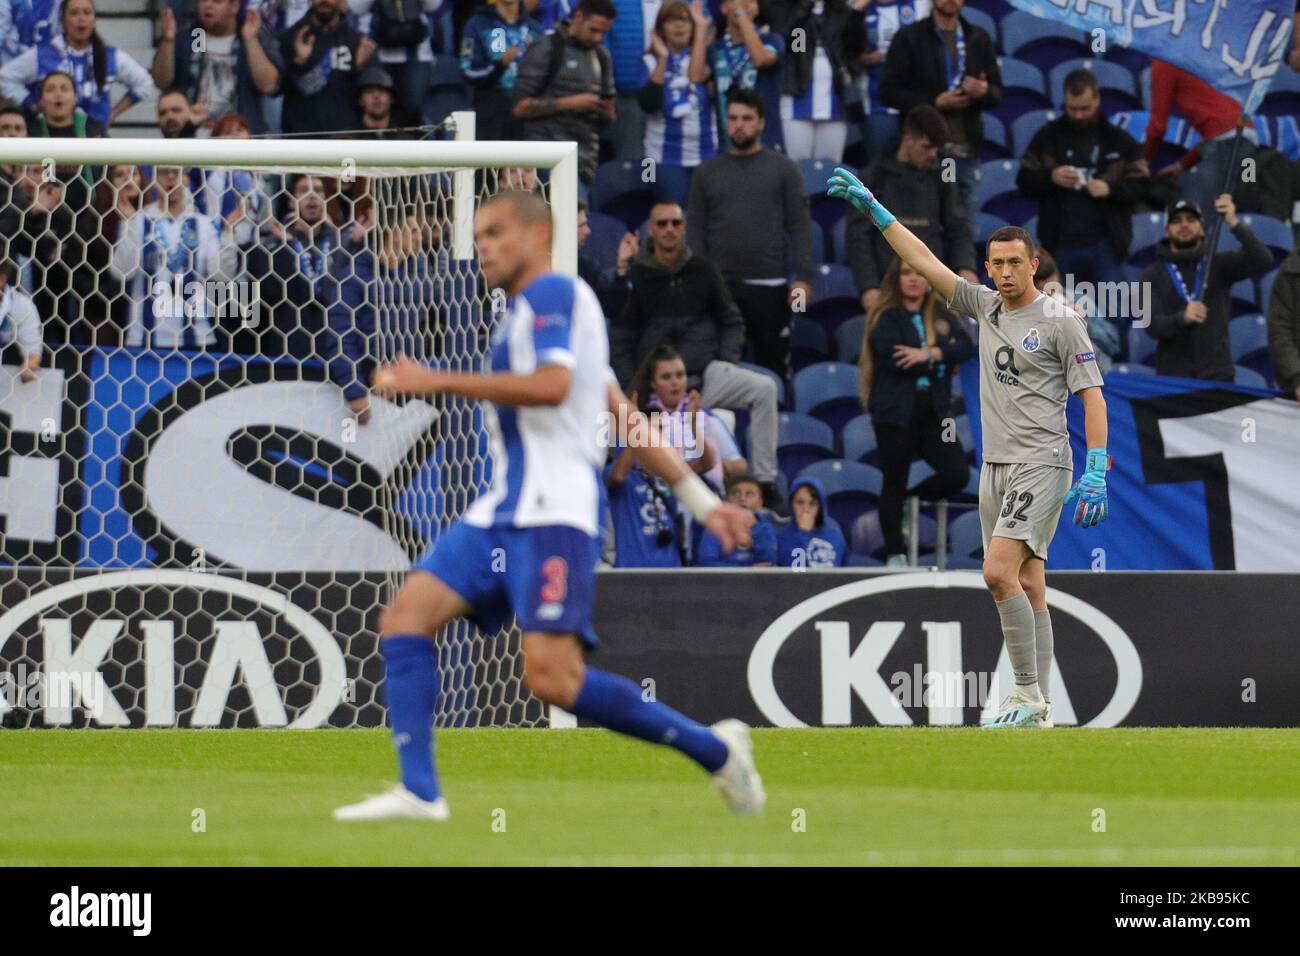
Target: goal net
202, 509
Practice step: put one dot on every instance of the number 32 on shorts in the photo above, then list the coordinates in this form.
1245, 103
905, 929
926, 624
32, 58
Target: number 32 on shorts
1026, 499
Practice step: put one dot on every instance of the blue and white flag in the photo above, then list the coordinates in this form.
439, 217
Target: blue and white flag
1203, 477
1234, 45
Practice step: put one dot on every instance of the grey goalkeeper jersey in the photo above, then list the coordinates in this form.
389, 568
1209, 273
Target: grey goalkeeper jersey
1030, 361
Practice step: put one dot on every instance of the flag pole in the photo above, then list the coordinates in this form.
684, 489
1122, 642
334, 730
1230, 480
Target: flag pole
1228, 185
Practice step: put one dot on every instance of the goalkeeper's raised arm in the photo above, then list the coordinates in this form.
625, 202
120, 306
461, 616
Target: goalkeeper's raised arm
845, 185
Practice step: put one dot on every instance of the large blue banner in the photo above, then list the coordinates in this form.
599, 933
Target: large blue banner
1234, 45
1204, 477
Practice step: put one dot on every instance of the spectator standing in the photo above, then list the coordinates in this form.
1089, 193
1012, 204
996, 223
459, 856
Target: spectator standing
20, 325
94, 67
403, 32
176, 116
13, 123
322, 53
946, 62
911, 183
1088, 176
239, 63
239, 198
680, 129
811, 539
1284, 325
749, 216
165, 256
118, 197
495, 38
818, 80
882, 19
565, 86
1214, 116
910, 352
1190, 303
628, 40
24, 24
679, 299
745, 491
740, 56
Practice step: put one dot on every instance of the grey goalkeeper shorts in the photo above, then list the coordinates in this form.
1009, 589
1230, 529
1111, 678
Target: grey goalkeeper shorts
1022, 501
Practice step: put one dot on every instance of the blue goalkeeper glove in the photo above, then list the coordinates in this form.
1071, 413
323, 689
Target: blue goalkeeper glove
844, 185
1090, 490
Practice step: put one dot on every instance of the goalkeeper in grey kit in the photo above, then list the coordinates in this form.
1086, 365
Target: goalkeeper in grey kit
1034, 351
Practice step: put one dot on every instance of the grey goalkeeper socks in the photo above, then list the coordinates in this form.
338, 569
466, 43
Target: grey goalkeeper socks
1043, 651
1018, 631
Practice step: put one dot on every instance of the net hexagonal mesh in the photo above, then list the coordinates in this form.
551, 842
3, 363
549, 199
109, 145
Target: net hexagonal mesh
203, 508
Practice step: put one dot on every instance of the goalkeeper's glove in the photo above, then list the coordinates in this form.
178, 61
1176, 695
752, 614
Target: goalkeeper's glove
844, 185
1090, 490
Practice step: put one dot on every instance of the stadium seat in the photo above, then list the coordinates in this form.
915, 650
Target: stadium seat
1266, 289
1030, 226
858, 439
1245, 297
821, 246
824, 210
1127, 368
839, 242
1248, 335
985, 225
852, 488
1040, 41
965, 539
447, 91
829, 391
1274, 233
1132, 60
602, 244
780, 385
808, 343
866, 536
1283, 96
1141, 346
1026, 125
801, 441
1148, 229
620, 192
884, 131
1023, 90
848, 339
985, 21
853, 560
993, 145
999, 194
834, 296
1114, 79
1250, 378
1281, 133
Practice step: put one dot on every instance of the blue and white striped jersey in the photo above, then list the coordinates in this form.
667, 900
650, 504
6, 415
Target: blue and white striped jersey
25, 23
684, 131
546, 460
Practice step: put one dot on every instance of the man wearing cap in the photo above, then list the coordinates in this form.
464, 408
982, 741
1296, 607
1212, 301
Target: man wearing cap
375, 96
1190, 304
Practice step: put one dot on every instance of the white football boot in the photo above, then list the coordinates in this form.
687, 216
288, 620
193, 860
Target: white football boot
1045, 720
397, 803
738, 778
1017, 710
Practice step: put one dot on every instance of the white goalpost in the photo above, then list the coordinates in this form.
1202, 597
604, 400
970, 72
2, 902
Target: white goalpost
201, 509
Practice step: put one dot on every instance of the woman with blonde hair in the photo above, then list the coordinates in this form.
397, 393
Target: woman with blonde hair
910, 350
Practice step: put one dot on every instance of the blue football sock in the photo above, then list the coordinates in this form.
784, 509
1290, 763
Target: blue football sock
615, 702
411, 685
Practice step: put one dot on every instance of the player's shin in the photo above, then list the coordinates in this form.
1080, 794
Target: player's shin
1043, 651
411, 685
1019, 633
618, 704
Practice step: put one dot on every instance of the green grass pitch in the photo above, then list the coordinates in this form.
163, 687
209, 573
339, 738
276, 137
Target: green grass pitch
527, 797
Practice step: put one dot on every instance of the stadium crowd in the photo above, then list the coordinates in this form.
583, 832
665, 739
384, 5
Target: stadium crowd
733, 288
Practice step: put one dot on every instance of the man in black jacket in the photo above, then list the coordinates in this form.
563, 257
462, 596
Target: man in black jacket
681, 300
1190, 303
946, 62
1088, 176
911, 185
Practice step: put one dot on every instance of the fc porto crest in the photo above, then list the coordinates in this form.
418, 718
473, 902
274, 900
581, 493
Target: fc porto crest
1031, 342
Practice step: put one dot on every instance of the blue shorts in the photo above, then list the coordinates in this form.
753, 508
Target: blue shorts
544, 577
